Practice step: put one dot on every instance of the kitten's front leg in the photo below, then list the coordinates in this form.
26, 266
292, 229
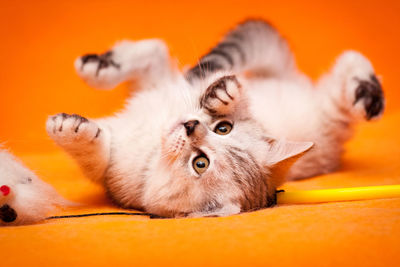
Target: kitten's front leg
144, 62
84, 140
351, 88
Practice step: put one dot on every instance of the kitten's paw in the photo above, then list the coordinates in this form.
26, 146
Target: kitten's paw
99, 70
363, 91
71, 130
369, 97
222, 96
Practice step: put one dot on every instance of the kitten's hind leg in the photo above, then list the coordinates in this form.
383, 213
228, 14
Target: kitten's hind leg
254, 47
351, 90
144, 62
86, 141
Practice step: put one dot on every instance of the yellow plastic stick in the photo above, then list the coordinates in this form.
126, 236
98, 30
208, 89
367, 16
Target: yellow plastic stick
340, 194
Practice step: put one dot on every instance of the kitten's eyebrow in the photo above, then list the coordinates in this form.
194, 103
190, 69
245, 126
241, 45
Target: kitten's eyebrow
216, 117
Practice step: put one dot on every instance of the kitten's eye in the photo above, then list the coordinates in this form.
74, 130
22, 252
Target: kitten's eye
223, 128
200, 164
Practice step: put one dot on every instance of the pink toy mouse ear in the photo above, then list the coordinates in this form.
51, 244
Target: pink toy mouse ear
5, 190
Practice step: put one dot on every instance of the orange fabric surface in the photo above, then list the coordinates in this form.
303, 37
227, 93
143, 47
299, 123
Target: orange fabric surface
40, 40
359, 233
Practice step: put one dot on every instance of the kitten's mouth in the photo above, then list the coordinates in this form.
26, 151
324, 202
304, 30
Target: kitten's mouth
175, 141
179, 144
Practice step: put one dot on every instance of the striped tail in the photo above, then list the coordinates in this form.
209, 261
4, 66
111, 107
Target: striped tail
253, 46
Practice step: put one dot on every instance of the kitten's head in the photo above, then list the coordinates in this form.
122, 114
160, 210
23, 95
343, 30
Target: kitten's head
219, 160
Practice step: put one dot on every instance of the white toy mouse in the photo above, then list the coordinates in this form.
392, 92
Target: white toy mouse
24, 198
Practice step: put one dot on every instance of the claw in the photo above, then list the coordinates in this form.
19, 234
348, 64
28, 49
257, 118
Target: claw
104, 61
89, 58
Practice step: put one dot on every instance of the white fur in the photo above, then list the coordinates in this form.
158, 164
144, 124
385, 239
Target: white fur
30, 197
284, 103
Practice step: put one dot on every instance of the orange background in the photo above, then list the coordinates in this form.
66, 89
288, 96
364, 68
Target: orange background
41, 39
39, 42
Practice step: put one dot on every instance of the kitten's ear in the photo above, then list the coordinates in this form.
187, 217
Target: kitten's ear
281, 150
223, 96
282, 155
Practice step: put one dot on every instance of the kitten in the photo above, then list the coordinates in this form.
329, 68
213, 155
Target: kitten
214, 141
24, 198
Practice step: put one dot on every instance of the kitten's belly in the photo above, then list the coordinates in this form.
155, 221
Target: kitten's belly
290, 111
286, 109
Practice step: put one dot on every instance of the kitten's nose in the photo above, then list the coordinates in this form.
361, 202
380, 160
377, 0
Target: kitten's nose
190, 126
